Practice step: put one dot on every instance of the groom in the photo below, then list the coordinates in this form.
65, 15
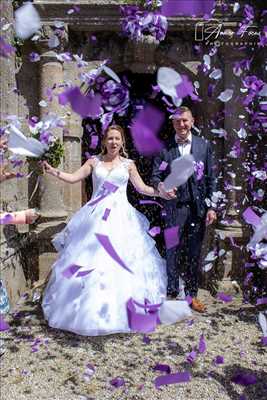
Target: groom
186, 207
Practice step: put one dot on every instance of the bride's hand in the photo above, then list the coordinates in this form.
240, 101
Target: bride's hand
167, 195
47, 168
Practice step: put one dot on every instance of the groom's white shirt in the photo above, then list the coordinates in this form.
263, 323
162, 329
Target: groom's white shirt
184, 148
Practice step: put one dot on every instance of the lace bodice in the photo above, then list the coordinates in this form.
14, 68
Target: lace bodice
118, 175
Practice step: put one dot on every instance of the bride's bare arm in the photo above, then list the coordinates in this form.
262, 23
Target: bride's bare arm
139, 184
75, 177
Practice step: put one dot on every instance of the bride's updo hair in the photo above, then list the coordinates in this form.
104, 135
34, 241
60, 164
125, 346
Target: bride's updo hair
119, 129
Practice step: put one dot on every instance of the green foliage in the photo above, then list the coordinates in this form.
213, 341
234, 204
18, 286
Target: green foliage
53, 155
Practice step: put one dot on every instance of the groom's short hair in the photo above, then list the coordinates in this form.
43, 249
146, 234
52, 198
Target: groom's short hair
179, 111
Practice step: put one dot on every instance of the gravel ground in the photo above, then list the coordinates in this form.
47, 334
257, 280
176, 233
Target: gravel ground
55, 367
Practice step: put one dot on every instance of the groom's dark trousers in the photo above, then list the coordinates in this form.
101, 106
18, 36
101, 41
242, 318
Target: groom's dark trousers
188, 212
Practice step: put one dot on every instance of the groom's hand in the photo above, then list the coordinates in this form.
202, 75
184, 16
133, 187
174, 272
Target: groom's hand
167, 195
211, 217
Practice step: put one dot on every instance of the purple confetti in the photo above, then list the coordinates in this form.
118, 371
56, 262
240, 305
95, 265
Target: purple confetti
191, 357
6, 219
219, 360
106, 214
84, 273
162, 368
117, 382
85, 106
70, 271
244, 379
264, 340
202, 346
154, 231
251, 217
150, 202
169, 379
163, 166
142, 322
187, 8
3, 324
261, 301
224, 297
144, 129
146, 339
105, 242
6, 50
171, 236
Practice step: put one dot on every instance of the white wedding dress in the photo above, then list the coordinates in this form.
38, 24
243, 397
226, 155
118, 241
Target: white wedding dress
95, 303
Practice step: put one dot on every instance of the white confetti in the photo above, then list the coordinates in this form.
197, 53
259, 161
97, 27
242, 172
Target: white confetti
27, 21
216, 74
226, 95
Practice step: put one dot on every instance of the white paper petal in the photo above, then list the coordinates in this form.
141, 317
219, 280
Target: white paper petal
220, 132
206, 59
236, 7
263, 323
207, 267
168, 79
216, 74
181, 169
172, 311
53, 42
242, 133
211, 256
226, 95
27, 21
263, 91
111, 73
18, 143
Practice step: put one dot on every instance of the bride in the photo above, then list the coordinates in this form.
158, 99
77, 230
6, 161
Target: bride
106, 256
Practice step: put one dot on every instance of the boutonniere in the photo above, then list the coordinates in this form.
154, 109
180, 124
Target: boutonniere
199, 169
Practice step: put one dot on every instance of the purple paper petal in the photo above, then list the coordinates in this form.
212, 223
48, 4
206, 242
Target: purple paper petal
3, 324
163, 166
154, 231
169, 379
146, 339
224, 297
163, 368
70, 271
144, 129
150, 202
117, 382
187, 7
251, 217
191, 357
106, 214
94, 142
109, 188
219, 360
142, 322
202, 346
85, 106
244, 379
84, 273
105, 242
171, 236
6, 219
261, 301
6, 49
264, 340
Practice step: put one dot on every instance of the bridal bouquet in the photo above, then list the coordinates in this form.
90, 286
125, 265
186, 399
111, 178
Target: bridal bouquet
42, 145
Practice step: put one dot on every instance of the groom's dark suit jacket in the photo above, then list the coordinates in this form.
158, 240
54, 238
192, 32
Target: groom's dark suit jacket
199, 189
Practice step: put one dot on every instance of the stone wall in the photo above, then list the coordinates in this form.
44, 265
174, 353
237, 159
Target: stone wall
14, 193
